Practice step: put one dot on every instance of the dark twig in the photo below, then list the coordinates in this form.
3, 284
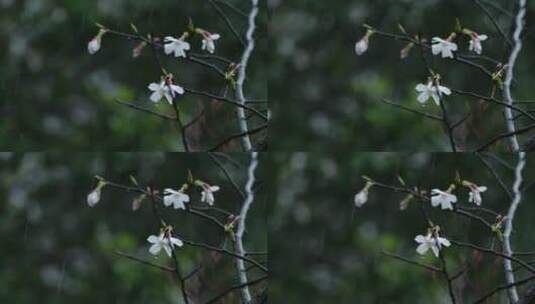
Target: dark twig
430, 116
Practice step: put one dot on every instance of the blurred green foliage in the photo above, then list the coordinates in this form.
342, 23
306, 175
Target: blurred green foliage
55, 96
336, 250
329, 99
55, 249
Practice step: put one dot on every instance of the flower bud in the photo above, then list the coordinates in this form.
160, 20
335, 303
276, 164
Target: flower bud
362, 197
94, 45
94, 197
361, 46
404, 53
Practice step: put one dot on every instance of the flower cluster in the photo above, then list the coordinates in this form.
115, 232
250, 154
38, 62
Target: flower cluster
174, 46
179, 198
446, 47
446, 199
171, 197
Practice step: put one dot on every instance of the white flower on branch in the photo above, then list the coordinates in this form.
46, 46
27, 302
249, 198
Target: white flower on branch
176, 198
208, 41
207, 194
176, 46
475, 195
362, 197
475, 192
94, 45
429, 241
163, 89
163, 241
475, 43
361, 46
444, 47
94, 196
430, 90
442, 198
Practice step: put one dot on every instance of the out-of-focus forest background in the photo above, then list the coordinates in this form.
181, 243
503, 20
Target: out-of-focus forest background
55, 96
56, 249
327, 98
336, 250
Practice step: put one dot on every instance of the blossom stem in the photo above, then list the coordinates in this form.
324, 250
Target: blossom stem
494, 22
181, 127
511, 258
227, 21
403, 259
241, 285
447, 277
161, 223
181, 279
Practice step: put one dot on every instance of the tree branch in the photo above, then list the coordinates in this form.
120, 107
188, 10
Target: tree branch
240, 266
509, 275
509, 75
242, 121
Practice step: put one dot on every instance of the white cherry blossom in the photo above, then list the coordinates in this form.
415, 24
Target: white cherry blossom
429, 241
443, 47
430, 90
208, 41
161, 90
207, 194
475, 43
176, 198
475, 194
163, 242
442, 198
176, 46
